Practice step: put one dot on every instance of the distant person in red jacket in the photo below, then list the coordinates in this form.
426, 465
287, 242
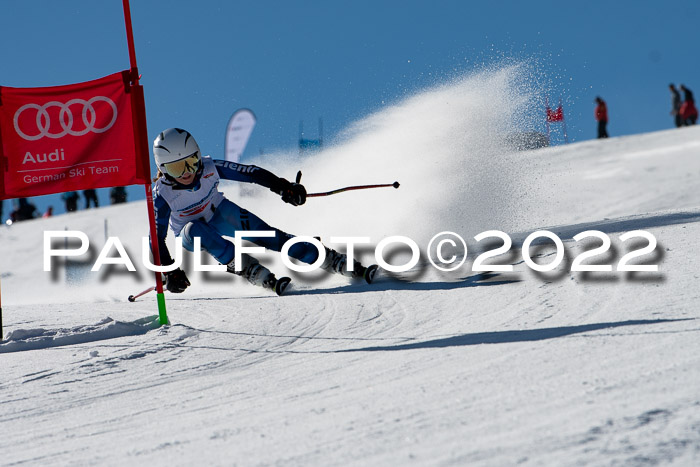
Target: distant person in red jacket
601, 116
689, 113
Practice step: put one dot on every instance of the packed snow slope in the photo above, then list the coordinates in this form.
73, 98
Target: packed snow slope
421, 368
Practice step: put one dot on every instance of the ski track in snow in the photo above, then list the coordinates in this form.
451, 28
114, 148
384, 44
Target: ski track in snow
422, 367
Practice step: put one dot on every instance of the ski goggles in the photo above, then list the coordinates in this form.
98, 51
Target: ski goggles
177, 169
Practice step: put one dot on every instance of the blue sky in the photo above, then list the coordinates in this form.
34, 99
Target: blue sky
292, 61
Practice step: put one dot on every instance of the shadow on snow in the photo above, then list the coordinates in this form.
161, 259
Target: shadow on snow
396, 283
506, 337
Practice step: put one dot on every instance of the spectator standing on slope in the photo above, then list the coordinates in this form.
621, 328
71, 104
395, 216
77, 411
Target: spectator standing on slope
689, 113
117, 195
601, 116
676, 105
71, 200
90, 195
25, 211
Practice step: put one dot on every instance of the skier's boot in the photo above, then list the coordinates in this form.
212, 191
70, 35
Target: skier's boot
337, 263
259, 275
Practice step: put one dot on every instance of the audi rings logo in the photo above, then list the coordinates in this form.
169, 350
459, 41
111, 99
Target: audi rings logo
43, 126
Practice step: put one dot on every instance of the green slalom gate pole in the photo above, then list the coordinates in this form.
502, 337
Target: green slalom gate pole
162, 314
1, 334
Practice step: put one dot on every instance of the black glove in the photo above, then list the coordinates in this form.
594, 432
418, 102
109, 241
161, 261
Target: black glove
292, 193
176, 281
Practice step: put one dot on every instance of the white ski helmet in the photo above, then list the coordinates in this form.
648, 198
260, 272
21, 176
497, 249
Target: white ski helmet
176, 152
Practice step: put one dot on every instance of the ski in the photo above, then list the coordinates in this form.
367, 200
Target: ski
279, 286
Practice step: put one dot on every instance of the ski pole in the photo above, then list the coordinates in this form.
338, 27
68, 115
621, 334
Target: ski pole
347, 188
132, 298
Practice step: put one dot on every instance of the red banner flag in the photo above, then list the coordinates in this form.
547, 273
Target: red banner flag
67, 138
556, 115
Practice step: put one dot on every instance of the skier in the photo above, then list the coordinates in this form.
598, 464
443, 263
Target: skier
186, 196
